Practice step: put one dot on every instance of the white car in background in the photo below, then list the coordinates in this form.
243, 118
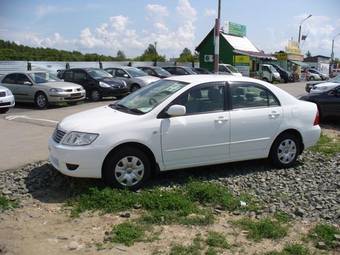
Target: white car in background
228, 69
322, 87
181, 122
6, 99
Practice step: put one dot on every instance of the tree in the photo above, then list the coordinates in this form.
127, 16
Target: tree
308, 54
150, 54
120, 56
186, 56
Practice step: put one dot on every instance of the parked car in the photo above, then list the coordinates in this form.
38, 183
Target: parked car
60, 73
228, 69
155, 71
181, 122
327, 100
200, 70
132, 76
268, 73
311, 84
323, 87
41, 88
97, 83
323, 76
311, 76
6, 99
179, 70
284, 74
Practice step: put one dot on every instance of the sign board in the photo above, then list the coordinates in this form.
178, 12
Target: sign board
208, 58
281, 56
232, 28
241, 59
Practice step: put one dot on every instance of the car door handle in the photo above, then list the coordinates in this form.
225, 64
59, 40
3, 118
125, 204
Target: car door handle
221, 119
273, 115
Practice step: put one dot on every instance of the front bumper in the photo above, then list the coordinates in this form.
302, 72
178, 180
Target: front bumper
106, 92
89, 159
66, 96
7, 101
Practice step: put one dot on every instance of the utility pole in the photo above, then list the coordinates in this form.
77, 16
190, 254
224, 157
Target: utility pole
217, 38
156, 55
332, 55
299, 39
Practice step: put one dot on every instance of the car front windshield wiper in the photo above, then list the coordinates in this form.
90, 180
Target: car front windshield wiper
125, 108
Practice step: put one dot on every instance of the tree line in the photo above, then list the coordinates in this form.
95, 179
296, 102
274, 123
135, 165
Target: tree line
12, 51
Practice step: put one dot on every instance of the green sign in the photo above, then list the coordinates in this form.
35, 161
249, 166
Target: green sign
236, 29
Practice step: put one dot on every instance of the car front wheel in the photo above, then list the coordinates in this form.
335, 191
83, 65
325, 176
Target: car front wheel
41, 100
127, 168
95, 95
285, 151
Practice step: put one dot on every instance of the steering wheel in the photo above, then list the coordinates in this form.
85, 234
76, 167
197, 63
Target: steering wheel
152, 101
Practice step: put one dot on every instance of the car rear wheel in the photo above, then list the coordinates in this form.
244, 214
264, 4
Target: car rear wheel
41, 100
135, 87
285, 150
127, 168
3, 110
95, 95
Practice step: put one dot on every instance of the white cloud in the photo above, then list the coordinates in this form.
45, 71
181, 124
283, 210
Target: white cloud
119, 22
210, 12
157, 10
44, 10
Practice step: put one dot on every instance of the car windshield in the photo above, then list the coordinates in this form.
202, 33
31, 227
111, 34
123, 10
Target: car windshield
135, 72
272, 69
335, 79
43, 77
232, 69
147, 98
99, 74
161, 71
189, 70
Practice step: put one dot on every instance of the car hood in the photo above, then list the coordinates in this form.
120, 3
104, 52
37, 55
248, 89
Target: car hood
147, 79
237, 74
112, 81
61, 85
323, 87
96, 120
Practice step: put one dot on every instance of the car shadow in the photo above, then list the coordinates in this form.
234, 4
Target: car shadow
47, 185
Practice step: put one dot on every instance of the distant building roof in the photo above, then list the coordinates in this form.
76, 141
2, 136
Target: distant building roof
316, 58
255, 54
240, 43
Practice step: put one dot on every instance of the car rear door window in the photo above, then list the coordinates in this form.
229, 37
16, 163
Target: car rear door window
68, 75
204, 98
79, 76
251, 95
120, 73
10, 79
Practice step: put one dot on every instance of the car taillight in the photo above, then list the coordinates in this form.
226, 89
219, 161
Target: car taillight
317, 118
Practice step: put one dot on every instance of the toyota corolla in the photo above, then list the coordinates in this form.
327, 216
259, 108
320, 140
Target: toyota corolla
183, 122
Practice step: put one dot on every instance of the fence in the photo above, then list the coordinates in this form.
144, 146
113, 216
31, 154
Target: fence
53, 66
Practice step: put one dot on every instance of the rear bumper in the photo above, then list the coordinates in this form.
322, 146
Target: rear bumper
7, 101
311, 136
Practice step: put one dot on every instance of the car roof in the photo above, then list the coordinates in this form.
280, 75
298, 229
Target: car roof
200, 78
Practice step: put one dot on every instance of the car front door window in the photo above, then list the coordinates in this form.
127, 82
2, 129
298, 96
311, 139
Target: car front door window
121, 73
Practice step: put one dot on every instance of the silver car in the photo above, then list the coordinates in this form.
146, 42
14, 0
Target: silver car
6, 99
41, 88
134, 78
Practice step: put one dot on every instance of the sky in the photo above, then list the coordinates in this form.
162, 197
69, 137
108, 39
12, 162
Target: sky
106, 26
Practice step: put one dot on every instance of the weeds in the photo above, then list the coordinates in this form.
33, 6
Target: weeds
6, 204
264, 228
326, 145
192, 249
324, 233
291, 249
218, 240
127, 233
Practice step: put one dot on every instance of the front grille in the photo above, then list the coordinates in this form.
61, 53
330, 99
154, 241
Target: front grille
4, 104
58, 135
79, 89
2, 94
68, 90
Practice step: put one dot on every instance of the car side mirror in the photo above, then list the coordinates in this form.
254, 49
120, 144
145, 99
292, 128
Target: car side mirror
176, 110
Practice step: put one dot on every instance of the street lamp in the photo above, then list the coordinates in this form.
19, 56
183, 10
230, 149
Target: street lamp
299, 39
332, 54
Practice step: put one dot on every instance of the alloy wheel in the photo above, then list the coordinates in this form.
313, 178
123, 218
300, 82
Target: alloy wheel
129, 171
286, 151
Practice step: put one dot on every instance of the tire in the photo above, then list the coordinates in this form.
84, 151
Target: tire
41, 100
95, 95
131, 164
285, 150
3, 110
311, 78
265, 79
134, 87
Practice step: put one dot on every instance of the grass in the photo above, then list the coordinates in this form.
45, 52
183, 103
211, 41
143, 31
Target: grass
6, 204
189, 204
324, 233
327, 145
282, 217
127, 233
291, 249
264, 228
193, 249
218, 240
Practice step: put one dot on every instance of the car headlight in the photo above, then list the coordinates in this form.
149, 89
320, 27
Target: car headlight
9, 93
104, 85
55, 90
79, 138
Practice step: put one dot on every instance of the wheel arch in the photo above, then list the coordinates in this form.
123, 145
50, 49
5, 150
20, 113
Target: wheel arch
140, 146
294, 132
40, 91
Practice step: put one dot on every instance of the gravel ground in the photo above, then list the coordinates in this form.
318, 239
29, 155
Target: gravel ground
310, 190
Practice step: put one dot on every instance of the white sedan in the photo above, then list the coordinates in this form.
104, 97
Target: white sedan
6, 99
181, 122
323, 87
